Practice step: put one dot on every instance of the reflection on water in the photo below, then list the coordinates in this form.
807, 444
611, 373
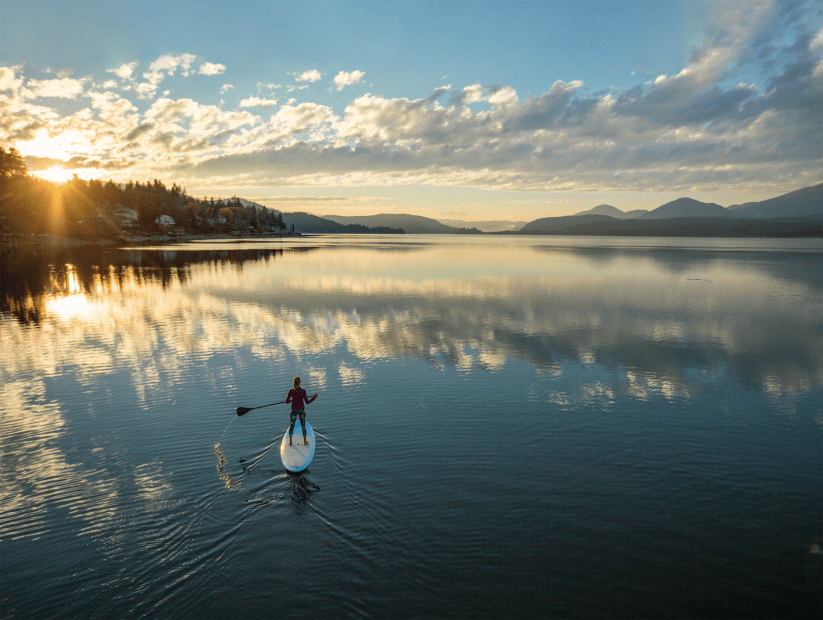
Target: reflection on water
668, 319
660, 383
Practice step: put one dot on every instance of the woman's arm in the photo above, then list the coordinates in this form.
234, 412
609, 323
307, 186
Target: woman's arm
288, 398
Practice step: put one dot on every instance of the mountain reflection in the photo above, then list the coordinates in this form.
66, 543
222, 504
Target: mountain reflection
666, 320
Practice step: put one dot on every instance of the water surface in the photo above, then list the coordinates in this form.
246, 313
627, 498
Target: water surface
507, 427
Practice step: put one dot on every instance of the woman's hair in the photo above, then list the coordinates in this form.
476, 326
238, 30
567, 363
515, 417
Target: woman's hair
296, 382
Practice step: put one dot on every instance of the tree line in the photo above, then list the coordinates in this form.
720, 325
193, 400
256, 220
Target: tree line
91, 208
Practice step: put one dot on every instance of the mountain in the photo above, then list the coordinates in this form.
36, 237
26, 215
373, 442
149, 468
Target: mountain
806, 202
635, 213
549, 225
307, 223
613, 212
412, 224
485, 226
686, 207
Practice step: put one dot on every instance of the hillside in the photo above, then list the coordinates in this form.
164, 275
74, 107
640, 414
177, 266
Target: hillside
411, 224
806, 202
556, 225
613, 212
686, 207
307, 223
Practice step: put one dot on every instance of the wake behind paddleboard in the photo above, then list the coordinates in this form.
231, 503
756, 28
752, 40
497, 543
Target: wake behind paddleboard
296, 457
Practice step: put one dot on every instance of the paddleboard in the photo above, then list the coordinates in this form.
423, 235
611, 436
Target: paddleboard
296, 457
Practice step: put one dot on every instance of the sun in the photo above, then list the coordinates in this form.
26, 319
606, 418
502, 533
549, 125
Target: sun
54, 174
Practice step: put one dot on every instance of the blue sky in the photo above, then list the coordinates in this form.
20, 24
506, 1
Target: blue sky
472, 110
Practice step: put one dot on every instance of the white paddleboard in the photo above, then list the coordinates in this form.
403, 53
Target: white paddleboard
296, 457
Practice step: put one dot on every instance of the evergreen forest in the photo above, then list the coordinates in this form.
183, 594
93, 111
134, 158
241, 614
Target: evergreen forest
93, 209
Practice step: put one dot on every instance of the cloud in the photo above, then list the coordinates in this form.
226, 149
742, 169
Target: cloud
124, 71
209, 68
225, 88
253, 102
163, 67
64, 88
307, 76
169, 64
145, 90
744, 111
296, 119
9, 79
344, 79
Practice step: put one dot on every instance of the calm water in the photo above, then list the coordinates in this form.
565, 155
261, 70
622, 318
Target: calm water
507, 427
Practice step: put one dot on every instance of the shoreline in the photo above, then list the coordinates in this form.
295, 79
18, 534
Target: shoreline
41, 240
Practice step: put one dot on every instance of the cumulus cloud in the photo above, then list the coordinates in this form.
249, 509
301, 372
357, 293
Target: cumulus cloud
9, 79
252, 102
124, 71
64, 88
169, 64
145, 90
296, 119
307, 76
743, 111
209, 68
225, 88
345, 78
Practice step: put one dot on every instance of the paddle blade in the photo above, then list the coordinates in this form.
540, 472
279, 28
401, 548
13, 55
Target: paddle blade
243, 410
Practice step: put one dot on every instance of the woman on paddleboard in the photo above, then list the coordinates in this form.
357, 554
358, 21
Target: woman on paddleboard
298, 399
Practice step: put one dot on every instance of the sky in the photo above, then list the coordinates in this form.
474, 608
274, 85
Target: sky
464, 110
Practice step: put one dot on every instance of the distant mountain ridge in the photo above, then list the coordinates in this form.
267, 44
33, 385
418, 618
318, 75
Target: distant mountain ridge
412, 224
797, 213
548, 225
686, 207
802, 203
614, 212
308, 223
806, 202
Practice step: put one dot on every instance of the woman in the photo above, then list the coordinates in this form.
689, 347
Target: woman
298, 399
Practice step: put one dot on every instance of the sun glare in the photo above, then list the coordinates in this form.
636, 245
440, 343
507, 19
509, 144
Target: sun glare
61, 148
45, 146
55, 174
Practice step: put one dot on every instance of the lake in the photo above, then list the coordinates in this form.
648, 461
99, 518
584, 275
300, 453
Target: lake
507, 427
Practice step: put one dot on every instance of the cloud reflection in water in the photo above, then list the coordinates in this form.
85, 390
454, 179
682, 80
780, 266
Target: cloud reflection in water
668, 320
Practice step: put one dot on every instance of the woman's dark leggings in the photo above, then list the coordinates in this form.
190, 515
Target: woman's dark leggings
293, 416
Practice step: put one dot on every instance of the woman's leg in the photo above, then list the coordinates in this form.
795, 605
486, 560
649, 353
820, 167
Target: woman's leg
292, 418
302, 415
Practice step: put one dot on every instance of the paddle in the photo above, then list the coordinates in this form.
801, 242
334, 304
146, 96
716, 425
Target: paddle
245, 410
